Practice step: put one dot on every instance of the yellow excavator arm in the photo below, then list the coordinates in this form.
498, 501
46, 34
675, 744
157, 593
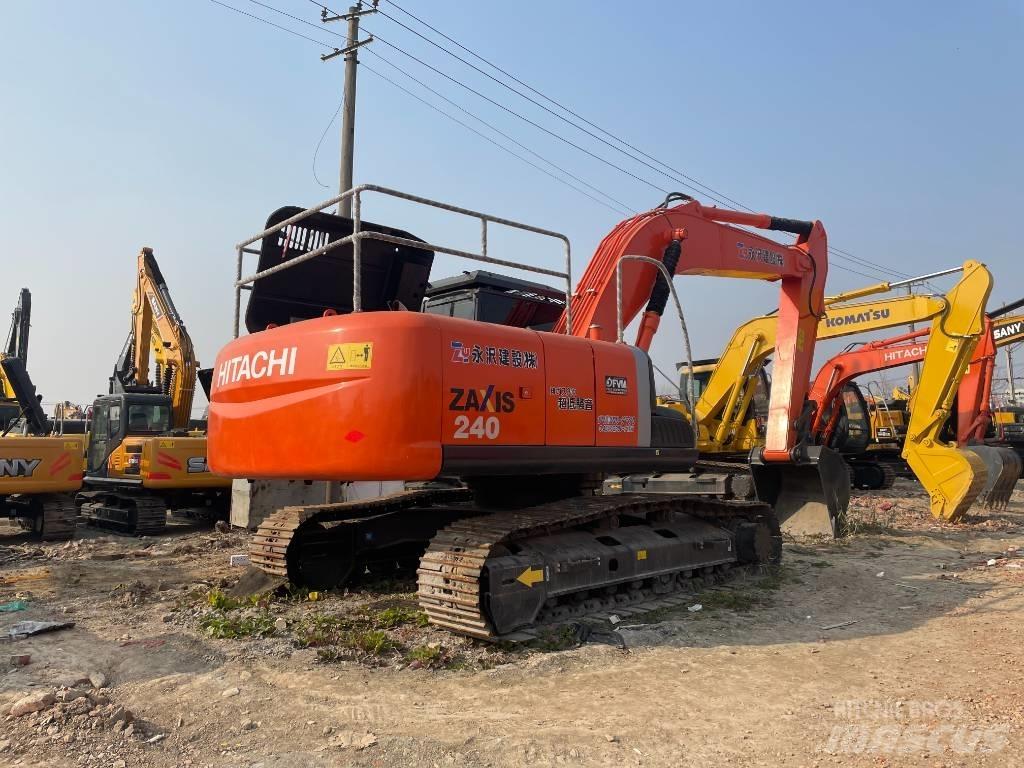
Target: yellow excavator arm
724, 403
952, 477
159, 341
17, 339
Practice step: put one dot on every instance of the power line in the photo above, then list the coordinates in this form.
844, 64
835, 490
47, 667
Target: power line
717, 196
525, 119
488, 138
265, 21
624, 207
704, 189
322, 137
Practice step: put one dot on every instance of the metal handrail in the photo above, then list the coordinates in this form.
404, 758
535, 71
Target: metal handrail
691, 400
358, 235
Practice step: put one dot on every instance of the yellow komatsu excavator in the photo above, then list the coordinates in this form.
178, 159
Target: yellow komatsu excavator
723, 408
728, 424
143, 461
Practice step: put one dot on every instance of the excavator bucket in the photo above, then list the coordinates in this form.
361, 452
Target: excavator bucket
1003, 466
953, 477
810, 497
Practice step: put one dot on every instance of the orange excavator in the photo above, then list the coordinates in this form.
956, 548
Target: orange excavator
570, 504
973, 417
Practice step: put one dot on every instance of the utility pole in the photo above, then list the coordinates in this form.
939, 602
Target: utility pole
348, 120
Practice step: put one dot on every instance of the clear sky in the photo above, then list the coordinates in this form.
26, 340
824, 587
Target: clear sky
182, 125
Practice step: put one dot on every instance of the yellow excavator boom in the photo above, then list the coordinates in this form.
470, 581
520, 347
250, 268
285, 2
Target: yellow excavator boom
952, 476
160, 339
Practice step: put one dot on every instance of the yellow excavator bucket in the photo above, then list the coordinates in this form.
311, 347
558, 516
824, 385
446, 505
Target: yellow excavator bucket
954, 477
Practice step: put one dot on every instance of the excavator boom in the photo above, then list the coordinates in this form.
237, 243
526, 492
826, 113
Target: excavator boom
16, 346
691, 239
841, 369
158, 340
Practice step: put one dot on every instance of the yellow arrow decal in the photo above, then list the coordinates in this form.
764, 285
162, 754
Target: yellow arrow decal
530, 576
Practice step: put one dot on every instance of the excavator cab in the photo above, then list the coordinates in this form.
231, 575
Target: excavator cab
119, 416
498, 299
853, 431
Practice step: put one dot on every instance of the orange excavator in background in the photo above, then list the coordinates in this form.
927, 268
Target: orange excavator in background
575, 497
973, 414
1007, 426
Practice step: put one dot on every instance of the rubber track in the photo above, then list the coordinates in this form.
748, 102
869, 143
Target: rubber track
150, 516
59, 518
268, 549
449, 584
629, 602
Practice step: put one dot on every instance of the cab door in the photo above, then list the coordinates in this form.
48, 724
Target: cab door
104, 435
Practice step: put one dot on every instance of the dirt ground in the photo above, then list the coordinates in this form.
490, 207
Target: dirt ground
900, 645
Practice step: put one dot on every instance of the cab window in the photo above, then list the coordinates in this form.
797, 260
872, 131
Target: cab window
114, 420
148, 419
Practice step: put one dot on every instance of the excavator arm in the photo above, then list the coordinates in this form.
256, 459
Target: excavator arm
691, 239
954, 478
17, 340
158, 340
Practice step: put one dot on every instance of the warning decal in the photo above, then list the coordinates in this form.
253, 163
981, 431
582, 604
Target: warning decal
353, 356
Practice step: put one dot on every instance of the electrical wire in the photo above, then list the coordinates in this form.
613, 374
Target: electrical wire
716, 195
488, 138
624, 210
691, 183
322, 137
277, 26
